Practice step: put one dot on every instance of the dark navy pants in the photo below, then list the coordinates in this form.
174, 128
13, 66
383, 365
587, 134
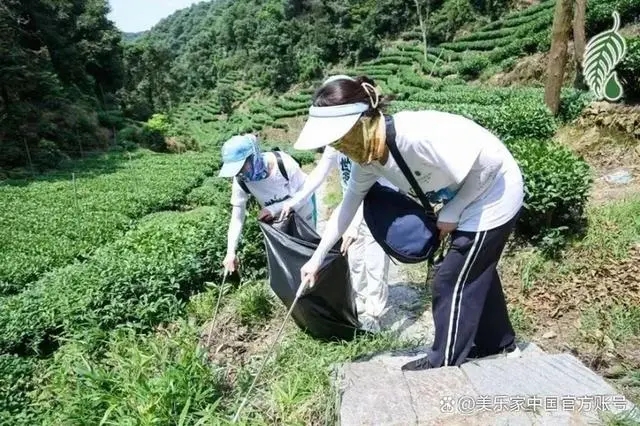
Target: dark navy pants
468, 303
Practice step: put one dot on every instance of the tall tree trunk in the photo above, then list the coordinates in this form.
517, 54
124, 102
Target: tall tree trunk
561, 32
579, 40
423, 29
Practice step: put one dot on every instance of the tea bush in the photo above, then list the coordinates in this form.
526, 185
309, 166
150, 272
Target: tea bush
140, 279
16, 382
557, 185
629, 71
511, 119
51, 222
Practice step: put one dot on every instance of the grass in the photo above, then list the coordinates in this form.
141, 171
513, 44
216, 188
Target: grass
167, 377
589, 297
295, 387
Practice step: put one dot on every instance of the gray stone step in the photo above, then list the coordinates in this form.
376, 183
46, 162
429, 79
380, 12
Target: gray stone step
536, 388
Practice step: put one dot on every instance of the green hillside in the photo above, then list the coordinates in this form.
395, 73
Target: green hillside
114, 222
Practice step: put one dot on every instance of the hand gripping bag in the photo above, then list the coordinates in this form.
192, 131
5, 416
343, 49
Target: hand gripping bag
327, 311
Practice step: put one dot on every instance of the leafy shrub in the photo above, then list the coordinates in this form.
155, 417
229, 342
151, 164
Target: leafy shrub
49, 224
225, 98
512, 119
448, 19
139, 279
629, 70
471, 67
145, 136
152, 139
16, 381
599, 14
47, 155
557, 187
158, 123
572, 102
111, 119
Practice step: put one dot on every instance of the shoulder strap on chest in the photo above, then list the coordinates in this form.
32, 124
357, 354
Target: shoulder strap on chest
280, 164
393, 148
243, 185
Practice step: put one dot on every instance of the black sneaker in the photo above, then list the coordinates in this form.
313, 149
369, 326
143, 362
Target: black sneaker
418, 364
509, 351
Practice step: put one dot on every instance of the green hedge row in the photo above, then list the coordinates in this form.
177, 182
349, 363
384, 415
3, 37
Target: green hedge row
393, 59
523, 17
462, 94
387, 69
519, 33
256, 107
511, 119
300, 98
49, 223
140, 279
290, 106
288, 114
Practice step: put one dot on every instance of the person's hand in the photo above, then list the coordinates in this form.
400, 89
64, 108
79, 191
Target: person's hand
308, 274
286, 210
347, 240
446, 228
230, 262
265, 215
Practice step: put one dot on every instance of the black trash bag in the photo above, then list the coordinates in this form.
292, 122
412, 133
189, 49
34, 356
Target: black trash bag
327, 311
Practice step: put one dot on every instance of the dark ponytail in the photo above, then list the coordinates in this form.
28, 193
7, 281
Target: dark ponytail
344, 91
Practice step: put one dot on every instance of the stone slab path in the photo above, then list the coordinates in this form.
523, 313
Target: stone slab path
535, 389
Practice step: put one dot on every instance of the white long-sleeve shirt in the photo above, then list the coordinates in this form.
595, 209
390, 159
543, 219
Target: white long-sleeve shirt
444, 151
271, 193
331, 158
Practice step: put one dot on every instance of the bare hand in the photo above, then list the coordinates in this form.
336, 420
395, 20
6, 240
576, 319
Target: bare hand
346, 243
230, 262
265, 215
446, 228
308, 274
286, 210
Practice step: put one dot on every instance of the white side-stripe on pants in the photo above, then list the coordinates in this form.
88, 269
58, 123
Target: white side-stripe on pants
369, 267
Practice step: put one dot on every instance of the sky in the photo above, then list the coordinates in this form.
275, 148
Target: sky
132, 16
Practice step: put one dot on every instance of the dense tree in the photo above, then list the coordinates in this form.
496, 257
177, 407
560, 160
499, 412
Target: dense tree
58, 61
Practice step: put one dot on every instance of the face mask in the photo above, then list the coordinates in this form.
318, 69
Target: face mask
256, 169
365, 142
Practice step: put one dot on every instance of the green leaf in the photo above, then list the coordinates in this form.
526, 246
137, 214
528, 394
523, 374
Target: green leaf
603, 52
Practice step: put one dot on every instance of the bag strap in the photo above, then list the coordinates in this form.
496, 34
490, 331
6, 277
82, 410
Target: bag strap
283, 170
393, 148
243, 185
281, 164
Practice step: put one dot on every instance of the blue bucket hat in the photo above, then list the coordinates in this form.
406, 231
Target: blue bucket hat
235, 152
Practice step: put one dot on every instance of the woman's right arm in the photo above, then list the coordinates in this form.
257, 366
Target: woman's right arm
238, 212
314, 179
359, 184
235, 229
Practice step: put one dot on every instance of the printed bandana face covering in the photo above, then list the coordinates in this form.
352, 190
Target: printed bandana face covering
257, 169
365, 142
